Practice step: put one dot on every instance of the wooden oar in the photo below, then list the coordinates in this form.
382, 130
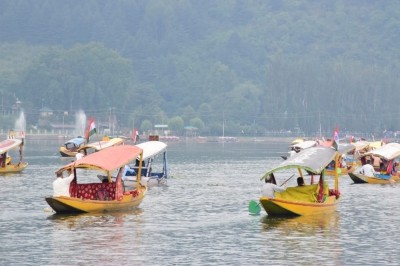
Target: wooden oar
287, 180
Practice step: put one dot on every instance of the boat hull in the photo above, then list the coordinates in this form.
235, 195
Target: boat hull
63, 204
361, 179
13, 168
281, 207
67, 153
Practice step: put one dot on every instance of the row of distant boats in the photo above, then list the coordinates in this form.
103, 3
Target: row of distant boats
124, 172
316, 161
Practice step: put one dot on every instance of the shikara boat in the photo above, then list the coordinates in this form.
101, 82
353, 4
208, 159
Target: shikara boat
298, 146
101, 196
70, 148
311, 199
6, 163
100, 145
154, 170
345, 150
388, 152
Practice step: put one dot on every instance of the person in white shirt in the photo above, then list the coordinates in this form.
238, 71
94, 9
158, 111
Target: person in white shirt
79, 156
367, 169
270, 187
61, 185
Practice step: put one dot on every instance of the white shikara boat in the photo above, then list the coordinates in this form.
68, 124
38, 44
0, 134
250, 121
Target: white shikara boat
154, 170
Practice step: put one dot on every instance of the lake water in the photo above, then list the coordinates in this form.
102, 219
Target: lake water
200, 218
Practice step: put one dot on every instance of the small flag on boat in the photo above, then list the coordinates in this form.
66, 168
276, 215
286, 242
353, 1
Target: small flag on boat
91, 129
335, 142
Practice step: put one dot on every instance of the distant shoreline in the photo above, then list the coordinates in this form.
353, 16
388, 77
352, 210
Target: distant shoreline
209, 139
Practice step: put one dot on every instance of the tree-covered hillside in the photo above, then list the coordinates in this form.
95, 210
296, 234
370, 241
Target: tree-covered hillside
256, 65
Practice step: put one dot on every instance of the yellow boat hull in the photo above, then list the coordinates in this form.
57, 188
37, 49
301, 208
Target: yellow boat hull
67, 153
63, 204
13, 168
284, 207
359, 179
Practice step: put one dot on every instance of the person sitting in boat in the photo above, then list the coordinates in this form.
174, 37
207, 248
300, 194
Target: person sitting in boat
367, 169
343, 163
128, 172
3, 159
300, 181
61, 185
270, 187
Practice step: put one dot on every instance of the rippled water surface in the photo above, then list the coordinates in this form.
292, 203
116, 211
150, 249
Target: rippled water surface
200, 218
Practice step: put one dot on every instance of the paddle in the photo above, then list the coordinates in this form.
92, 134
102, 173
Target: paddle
287, 180
254, 207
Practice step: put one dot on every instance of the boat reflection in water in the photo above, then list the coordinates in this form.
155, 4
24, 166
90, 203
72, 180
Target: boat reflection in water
310, 223
109, 229
319, 233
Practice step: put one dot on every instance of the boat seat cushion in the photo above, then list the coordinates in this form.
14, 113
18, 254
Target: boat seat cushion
95, 191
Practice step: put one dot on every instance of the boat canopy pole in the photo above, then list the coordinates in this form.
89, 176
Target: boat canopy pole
336, 172
138, 184
300, 172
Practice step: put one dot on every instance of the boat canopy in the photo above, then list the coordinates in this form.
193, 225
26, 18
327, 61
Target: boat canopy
313, 159
345, 148
152, 148
99, 145
388, 151
108, 160
296, 141
360, 145
375, 144
9, 144
75, 141
305, 144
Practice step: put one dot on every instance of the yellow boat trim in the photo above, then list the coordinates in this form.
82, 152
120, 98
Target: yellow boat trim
13, 168
63, 204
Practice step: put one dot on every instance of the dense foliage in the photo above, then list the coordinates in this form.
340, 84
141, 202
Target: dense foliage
254, 66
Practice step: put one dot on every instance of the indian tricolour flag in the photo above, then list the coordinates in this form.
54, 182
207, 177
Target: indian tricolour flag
335, 142
91, 129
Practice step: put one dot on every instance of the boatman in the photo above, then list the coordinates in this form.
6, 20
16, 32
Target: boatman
367, 169
269, 188
61, 185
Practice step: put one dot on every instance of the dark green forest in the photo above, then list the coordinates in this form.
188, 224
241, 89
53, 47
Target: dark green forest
254, 66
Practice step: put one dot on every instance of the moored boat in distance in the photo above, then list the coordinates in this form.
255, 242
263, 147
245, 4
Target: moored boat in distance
70, 147
84, 195
100, 145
